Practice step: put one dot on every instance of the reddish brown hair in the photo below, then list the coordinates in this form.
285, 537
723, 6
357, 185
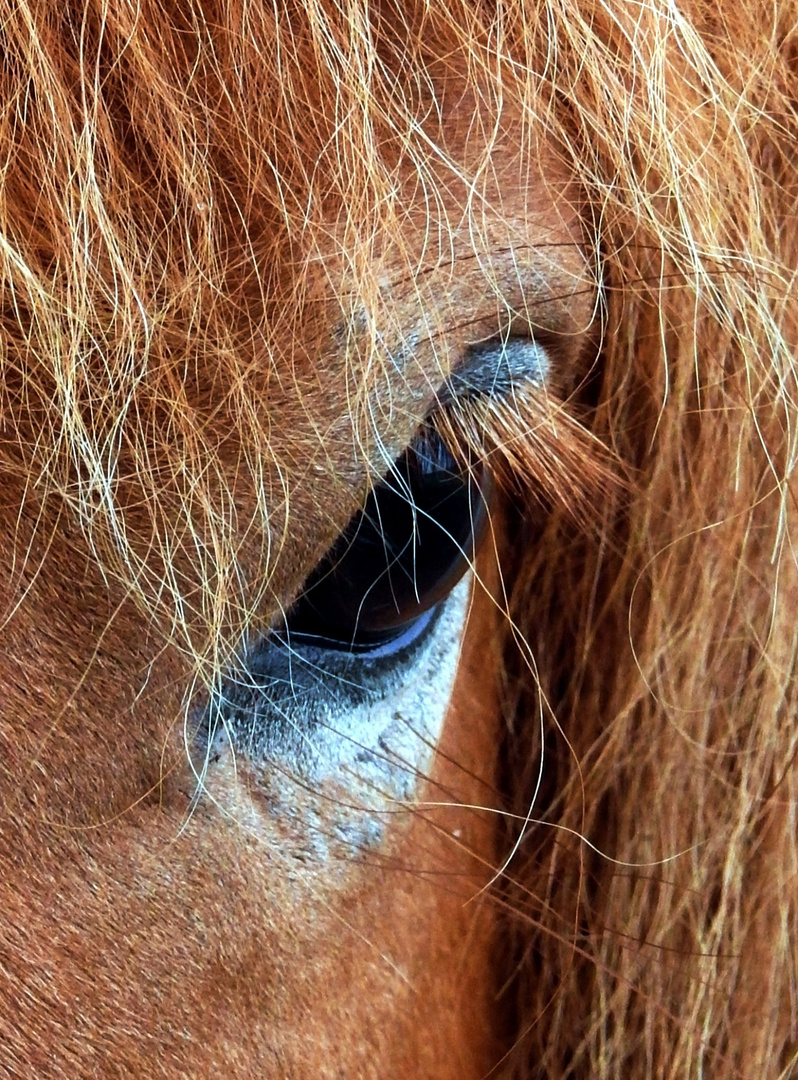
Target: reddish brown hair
163, 164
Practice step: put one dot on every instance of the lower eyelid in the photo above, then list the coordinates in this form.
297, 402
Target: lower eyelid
289, 700
297, 683
393, 647
346, 678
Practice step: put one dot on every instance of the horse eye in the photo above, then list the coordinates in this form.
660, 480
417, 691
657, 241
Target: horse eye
400, 556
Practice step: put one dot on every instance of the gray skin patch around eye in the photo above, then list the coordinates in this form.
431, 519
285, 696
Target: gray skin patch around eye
366, 725
494, 370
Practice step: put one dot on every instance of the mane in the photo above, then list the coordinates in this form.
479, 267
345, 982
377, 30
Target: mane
163, 165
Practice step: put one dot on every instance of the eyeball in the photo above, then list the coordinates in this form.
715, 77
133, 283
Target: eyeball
400, 556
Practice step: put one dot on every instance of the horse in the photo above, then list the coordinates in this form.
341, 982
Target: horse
398, 576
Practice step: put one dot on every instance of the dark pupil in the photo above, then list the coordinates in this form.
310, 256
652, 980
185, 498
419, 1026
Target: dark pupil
400, 556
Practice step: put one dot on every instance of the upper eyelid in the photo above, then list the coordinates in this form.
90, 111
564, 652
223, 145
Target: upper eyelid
494, 370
